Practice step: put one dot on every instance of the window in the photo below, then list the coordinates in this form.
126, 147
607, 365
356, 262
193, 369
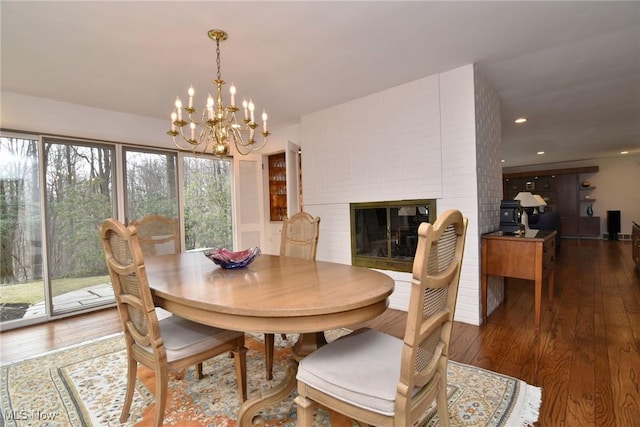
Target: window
21, 263
151, 184
207, 203
55, 193
79, 196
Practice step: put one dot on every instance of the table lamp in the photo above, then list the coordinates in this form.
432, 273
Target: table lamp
526, 201
540, 200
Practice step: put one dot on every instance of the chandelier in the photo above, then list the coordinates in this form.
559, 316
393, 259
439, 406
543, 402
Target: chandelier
218, 123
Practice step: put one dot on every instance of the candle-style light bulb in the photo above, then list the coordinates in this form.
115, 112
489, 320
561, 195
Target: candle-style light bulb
232, 91
179, 108
191, 92
174, 116
251, 108
245, 106
210, 107
193, 130
264, 120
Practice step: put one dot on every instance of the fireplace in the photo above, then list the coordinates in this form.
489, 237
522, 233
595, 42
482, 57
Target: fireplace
384, 235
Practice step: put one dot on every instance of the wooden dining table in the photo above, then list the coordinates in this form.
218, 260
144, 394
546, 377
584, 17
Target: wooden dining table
272, 295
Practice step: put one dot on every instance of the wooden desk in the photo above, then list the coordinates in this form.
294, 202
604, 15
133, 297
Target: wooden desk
531, 258
273, 294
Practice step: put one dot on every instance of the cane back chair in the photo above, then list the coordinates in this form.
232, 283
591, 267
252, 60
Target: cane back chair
299, 239
378, 379
158, 235
171, 344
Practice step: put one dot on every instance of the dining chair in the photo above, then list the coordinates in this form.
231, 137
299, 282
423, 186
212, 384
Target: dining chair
299, 239
158, 234
168, 345
377, 379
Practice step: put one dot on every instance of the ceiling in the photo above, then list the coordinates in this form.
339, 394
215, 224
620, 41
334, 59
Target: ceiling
572, 68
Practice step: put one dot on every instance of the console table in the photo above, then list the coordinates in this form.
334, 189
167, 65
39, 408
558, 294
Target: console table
530, 258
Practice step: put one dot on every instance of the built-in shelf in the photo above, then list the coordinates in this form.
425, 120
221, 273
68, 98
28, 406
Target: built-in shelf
563, 191
277, 187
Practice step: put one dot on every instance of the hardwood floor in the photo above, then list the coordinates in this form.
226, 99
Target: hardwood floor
586, 359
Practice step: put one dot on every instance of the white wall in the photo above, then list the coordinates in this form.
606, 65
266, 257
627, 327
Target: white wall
617, 187
39, 115
488, 149
413, 141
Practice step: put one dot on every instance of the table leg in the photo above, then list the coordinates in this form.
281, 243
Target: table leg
308, 343
538, 301
247, 416
483, 281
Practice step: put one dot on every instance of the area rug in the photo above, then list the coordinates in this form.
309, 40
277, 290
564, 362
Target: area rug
84, 385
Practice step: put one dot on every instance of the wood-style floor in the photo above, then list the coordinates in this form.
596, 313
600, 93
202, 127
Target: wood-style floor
586, 359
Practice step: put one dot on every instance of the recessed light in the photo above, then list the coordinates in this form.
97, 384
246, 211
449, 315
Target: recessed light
624, 152
540, 152
502, 161
521, 120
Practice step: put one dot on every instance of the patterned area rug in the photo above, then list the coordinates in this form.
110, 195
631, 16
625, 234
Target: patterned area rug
84, 386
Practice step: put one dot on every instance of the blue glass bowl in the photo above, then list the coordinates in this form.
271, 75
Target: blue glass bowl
230, 260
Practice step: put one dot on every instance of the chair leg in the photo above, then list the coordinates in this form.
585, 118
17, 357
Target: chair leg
240, 356
162, 380
442, 406
304, 411
199, 374
268, 354
132, 371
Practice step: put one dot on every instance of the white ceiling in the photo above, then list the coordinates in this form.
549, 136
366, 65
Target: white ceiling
573, 68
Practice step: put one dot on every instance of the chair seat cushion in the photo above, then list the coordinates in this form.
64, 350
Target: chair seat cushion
182, 337
362, 368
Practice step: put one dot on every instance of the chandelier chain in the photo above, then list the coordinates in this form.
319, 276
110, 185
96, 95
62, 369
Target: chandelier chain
219, 76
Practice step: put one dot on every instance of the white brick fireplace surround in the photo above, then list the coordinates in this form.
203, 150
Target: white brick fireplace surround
436, 137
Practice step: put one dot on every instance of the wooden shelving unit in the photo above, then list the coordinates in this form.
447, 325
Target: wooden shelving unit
564, 194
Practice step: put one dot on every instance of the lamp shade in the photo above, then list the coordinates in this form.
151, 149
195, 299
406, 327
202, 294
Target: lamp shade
527, 200
540, 200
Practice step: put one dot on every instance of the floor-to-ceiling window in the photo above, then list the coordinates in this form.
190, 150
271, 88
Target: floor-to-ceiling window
207, 202
79, 195
21, 251
55, 193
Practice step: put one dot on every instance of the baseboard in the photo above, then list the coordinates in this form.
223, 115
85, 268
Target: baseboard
605, 236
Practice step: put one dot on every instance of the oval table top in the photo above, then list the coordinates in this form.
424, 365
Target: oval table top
273, 294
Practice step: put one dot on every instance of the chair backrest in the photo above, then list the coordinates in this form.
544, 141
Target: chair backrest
300, 236
434, 290
158, 235
125, 263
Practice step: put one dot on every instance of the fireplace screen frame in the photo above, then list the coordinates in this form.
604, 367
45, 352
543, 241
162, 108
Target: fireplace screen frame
384, 235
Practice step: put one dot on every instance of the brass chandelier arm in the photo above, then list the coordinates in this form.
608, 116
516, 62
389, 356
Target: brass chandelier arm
219, 123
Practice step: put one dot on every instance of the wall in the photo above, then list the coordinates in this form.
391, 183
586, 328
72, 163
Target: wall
39, 115
417, 140
488, 153
617, 186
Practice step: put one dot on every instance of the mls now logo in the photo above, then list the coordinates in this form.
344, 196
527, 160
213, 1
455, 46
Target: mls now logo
24, 415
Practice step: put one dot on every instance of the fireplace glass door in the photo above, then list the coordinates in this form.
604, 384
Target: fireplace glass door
385, 234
